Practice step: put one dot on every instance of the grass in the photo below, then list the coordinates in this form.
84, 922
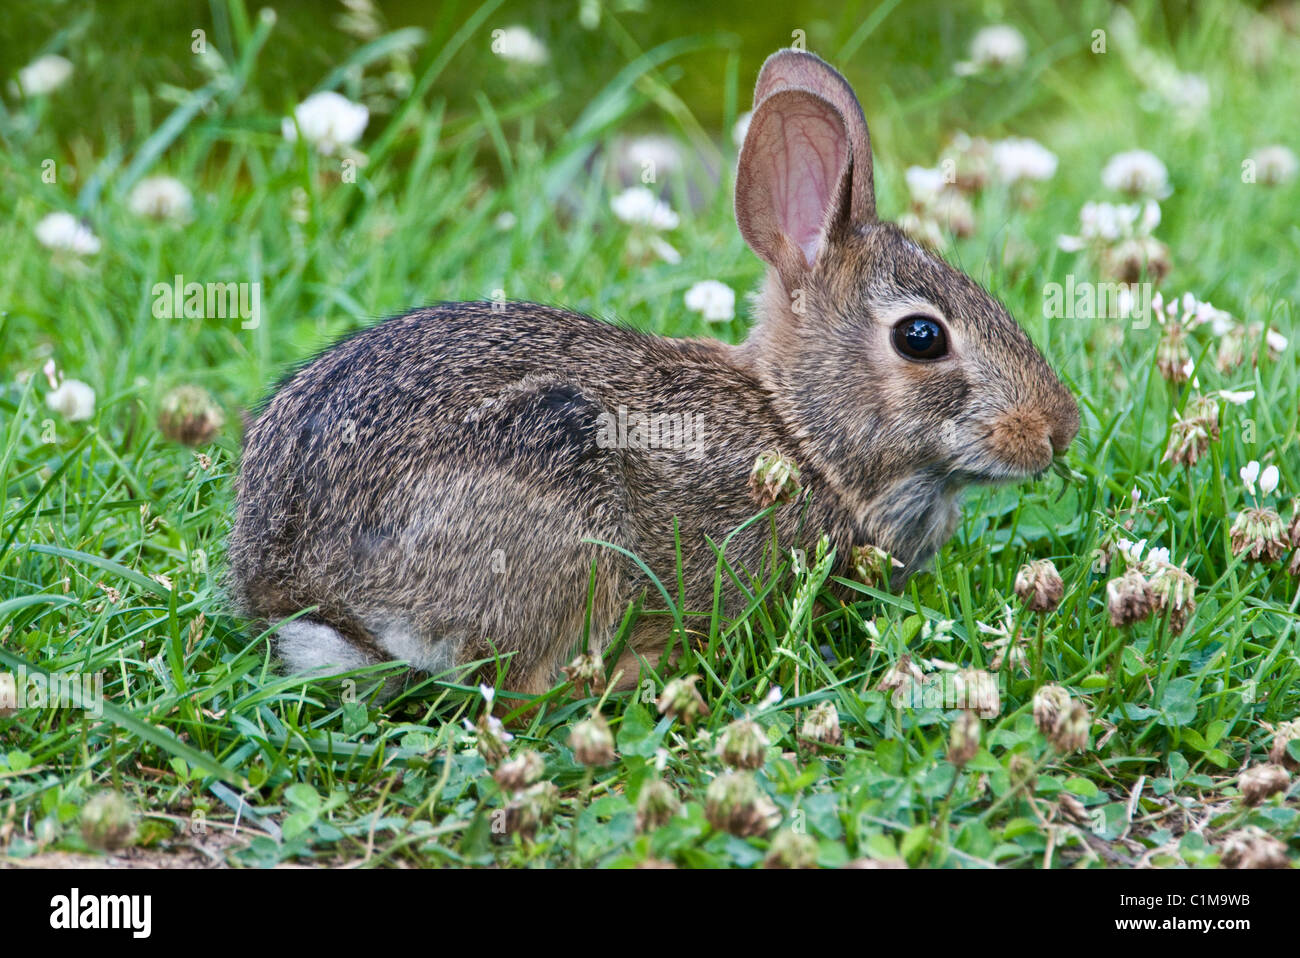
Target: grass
111, 556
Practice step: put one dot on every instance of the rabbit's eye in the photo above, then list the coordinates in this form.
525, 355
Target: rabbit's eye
920, 337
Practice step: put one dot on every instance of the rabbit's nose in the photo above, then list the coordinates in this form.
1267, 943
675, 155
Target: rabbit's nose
1021, 438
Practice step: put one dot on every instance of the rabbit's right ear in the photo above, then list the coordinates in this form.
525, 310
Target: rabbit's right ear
793, 183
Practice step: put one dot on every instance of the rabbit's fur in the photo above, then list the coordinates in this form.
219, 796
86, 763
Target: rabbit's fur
430, 485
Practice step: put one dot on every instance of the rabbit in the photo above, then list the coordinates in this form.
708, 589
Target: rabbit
469, 481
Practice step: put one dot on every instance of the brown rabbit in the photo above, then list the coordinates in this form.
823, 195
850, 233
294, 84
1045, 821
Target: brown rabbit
430, 486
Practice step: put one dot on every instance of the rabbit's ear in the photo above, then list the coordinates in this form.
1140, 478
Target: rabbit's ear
798, 69
793, 181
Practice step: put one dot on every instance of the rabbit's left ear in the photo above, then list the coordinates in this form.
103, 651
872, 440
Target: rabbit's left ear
800, 70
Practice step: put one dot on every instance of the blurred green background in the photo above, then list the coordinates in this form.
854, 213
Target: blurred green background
893, 52
457, 136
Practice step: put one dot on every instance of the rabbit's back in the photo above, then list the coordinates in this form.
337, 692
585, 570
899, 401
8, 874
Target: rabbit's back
428, 484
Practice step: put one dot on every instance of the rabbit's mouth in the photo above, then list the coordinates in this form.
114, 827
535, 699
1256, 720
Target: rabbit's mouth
1004, 476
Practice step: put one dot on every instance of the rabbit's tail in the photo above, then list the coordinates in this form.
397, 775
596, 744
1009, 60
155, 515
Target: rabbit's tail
313, 648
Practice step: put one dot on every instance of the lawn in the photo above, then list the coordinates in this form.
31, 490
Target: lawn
1139, 714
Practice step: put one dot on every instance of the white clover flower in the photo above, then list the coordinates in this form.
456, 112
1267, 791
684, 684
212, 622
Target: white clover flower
1275, 165
940, 631
1221, 322
1148, 218
741, 128
665, 250
1106, 221
1275, 340
74, 400
1268, 480
1003, 629
925, 184
660, 154
773, 696
8, 695
488, 693
65, 233
1132, 551
715, 301
327, 120
1138, 173
518, 45
1158, 555
44, 75
994, 48
1125, 301
1192, 93
161, 198
1190, 311
1020, 158
1097, 221
497, 728
661, 759
1237, 398
922, 229
1110, 222
1249, 473
1187, 93
505, 221
638, 206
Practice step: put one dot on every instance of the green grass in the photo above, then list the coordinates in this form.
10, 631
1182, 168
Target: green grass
112, 536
